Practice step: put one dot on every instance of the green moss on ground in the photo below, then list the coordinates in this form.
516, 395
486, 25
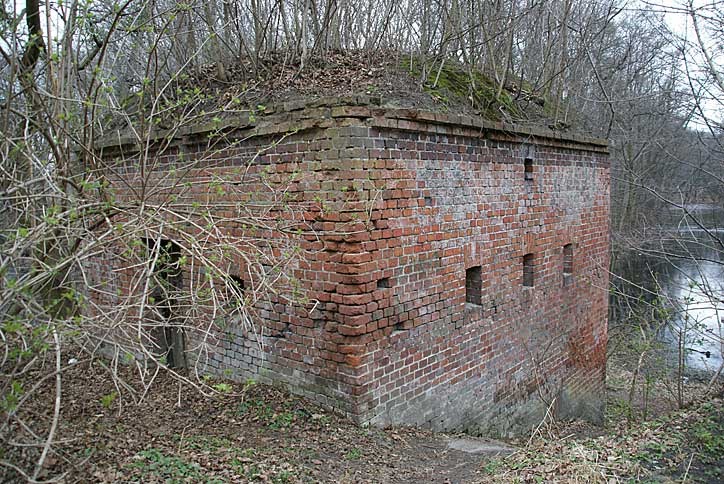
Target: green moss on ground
452, 84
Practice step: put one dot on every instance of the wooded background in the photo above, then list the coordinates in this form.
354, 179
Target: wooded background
74, 71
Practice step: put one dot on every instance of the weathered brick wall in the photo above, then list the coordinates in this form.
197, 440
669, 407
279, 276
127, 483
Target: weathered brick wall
396, 206
458, 199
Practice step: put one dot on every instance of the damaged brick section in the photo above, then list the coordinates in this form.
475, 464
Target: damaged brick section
417, 199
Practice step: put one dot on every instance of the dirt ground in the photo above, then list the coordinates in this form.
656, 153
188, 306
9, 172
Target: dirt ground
256, 433
248, 433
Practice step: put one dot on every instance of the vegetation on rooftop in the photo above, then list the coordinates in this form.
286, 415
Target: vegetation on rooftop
74, 73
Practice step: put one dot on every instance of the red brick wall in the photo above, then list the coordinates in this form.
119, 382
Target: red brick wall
393, 207
454, 200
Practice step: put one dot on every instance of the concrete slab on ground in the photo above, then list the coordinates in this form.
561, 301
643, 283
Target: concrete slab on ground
479, 446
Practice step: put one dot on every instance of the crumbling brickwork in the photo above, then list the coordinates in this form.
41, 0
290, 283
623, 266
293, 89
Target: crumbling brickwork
417, 310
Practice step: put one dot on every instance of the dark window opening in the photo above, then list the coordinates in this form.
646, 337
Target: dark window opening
238, 283
474, 285
166, 283
428, 201
528, 169
383, 283
567, 264
165, 256
528, 274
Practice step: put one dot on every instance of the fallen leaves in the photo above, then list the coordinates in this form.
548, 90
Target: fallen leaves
268, 435
262, 435
658, 450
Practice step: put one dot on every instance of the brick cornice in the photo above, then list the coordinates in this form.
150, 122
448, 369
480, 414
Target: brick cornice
298, 116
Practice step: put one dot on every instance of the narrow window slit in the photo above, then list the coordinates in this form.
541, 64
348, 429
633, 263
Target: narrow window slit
474, 285
567, 264
528, 270
528, 169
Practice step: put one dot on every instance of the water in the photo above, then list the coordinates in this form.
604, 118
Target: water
685, 267
696, 288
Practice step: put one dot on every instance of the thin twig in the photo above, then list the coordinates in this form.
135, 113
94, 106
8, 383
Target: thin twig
56, 410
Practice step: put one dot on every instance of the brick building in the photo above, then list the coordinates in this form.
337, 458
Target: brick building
457, 277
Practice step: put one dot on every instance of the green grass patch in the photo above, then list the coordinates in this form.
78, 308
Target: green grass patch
353, 454
157, 464
259, 410
708, 437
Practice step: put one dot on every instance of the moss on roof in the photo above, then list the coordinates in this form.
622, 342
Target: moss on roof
397, 79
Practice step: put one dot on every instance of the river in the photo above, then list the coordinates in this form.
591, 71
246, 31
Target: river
685, 268
697, 288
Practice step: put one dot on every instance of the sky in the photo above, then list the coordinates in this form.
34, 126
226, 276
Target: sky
680, 23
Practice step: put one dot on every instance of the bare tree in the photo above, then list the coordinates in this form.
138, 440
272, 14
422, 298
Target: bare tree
75, 73
70, 199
